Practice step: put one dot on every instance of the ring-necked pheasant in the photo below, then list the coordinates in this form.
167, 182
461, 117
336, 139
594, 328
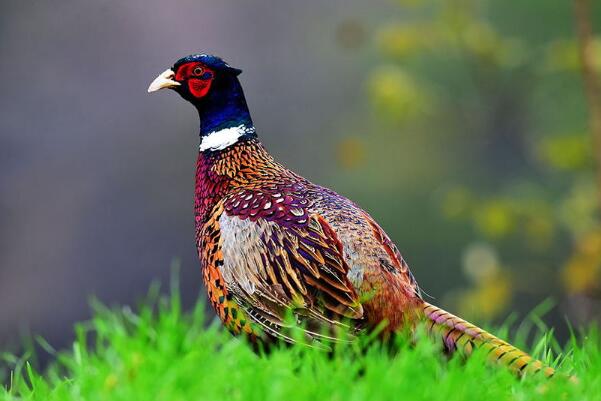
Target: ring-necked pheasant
271, 243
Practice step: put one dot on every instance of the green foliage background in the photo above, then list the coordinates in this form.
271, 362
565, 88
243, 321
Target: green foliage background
480, 104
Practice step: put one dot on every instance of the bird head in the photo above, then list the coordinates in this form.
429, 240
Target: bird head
196, 76
212, 86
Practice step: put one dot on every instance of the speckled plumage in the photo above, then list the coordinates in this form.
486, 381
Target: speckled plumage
271, 243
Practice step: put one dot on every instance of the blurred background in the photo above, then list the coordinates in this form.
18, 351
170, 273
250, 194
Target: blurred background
462, 126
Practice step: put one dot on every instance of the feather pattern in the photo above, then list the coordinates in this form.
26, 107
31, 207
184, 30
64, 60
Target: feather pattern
458, 333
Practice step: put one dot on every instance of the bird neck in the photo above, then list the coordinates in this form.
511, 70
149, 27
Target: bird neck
224, 116
217, 172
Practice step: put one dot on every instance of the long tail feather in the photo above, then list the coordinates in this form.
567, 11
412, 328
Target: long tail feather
459, 334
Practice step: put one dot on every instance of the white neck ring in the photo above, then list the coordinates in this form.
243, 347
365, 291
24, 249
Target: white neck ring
223, 138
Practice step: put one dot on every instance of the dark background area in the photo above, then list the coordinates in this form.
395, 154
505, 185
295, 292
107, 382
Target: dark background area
461, 126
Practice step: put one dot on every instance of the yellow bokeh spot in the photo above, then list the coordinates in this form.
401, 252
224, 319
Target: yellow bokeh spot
489, 299
566, 152
401, 40
577, 211
563, 55
582, 272
395, 95
495, 219
482, 40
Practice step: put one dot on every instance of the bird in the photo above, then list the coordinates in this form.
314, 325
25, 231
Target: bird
279, 253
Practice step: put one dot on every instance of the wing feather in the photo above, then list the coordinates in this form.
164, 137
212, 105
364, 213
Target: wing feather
273, 269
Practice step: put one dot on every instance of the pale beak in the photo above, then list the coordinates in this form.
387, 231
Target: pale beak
165, 80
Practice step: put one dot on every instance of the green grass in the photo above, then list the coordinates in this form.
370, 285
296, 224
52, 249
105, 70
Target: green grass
161, 353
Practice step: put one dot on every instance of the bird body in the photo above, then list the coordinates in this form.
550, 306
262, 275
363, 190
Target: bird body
271, 243
273, 240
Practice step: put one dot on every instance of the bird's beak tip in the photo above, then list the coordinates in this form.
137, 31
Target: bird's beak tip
164, 80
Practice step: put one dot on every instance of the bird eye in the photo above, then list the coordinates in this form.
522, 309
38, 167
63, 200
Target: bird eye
198, 71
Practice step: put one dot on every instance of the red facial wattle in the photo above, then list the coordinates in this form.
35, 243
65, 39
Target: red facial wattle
199, 78
199, 87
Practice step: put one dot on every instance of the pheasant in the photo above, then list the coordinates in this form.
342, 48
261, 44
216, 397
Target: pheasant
272, 244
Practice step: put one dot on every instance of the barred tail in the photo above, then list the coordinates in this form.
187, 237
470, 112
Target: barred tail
457, 333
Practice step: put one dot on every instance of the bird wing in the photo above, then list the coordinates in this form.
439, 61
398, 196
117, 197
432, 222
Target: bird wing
274, 267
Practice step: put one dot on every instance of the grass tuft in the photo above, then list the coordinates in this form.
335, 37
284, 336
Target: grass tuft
161, 353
